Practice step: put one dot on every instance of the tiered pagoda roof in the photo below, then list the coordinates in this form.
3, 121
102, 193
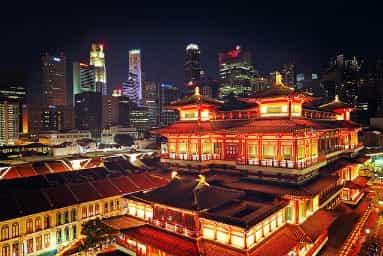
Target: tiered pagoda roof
195, 99
335, 104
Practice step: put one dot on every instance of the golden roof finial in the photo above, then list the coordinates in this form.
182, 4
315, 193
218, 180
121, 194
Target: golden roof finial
174, 175
196, 90
336, 98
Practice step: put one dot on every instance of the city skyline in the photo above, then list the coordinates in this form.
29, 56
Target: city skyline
274, 37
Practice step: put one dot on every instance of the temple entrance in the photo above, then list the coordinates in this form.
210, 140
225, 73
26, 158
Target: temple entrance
232, 151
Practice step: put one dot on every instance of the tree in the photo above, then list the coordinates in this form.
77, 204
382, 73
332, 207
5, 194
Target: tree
124, 139
95, 231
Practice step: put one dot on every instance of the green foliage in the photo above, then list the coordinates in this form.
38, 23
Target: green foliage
95, 232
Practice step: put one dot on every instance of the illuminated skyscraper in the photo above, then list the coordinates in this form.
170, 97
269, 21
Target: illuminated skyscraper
97, 59
9, 121
236, 73
54, 80
129, 88
192, 65
288, 74
84, 79
135, 68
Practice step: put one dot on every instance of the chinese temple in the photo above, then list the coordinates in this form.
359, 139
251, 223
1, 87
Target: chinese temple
273, 170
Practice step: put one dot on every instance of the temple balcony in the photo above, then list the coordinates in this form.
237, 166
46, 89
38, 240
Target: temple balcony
174, 228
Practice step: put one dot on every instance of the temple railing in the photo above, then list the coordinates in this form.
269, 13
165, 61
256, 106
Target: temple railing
174, 227
299, 164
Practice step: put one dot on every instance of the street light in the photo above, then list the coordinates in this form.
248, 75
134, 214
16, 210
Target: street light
368, 231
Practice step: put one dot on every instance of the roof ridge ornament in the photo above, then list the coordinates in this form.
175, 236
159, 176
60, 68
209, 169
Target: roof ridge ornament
196, 91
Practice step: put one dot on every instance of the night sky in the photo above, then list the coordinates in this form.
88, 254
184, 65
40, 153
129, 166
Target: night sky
307, 33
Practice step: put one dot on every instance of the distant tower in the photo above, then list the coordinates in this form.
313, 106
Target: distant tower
83, 78
54, 80
192, 65
288, 74
97, 59
135, 68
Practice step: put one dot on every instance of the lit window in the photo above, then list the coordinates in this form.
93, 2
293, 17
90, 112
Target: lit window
268, 151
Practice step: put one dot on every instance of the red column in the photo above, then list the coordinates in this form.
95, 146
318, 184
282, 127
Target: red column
259, 148
279, 148
224, 148
296, 205
199, 149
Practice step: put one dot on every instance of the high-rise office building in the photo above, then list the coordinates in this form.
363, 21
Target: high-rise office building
130, 89
192, 66
110, 111
342, 78
84, 78
168, 93
97, 59
37, 118
288, 74
151, 101
236, 73
54, 80
135, 68
88, 112
9, 121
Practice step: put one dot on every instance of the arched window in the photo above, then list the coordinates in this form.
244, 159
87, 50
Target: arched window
29, 226
96, 209
106, 208
15, 230
67, 233
84, 212
47, 221
66, 217
38, 224
74, 214
74, 227
58, 219
5, 251
4, 232
47, 240
117, 204
58, 236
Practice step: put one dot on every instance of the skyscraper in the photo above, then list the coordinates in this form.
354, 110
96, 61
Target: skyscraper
9, 121
54, 80
192, 67
135, 68
236, 73
168, 93
151, 101
97, 59
130, 88
288, 74
84, 79
88, 112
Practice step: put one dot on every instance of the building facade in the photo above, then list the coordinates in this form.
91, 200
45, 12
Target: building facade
97, 60
84, 78
54, 84
136, 68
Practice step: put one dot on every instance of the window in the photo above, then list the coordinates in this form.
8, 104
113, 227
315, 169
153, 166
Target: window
66, 217
217, 147
58, 219
38, 224
30, 245
74, 229
73, 215
96, 209
90, 210
111, 206
117, 205
106, 208
84, 212
47, 240
182, 148
172, 147
206, 148
15, 229
66, 231
5, 251
301, 151
286, 152
47, 221
314, 149
4, 233
58, 236
268, 151
15, 249
253, 150
39, 243
29, 226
